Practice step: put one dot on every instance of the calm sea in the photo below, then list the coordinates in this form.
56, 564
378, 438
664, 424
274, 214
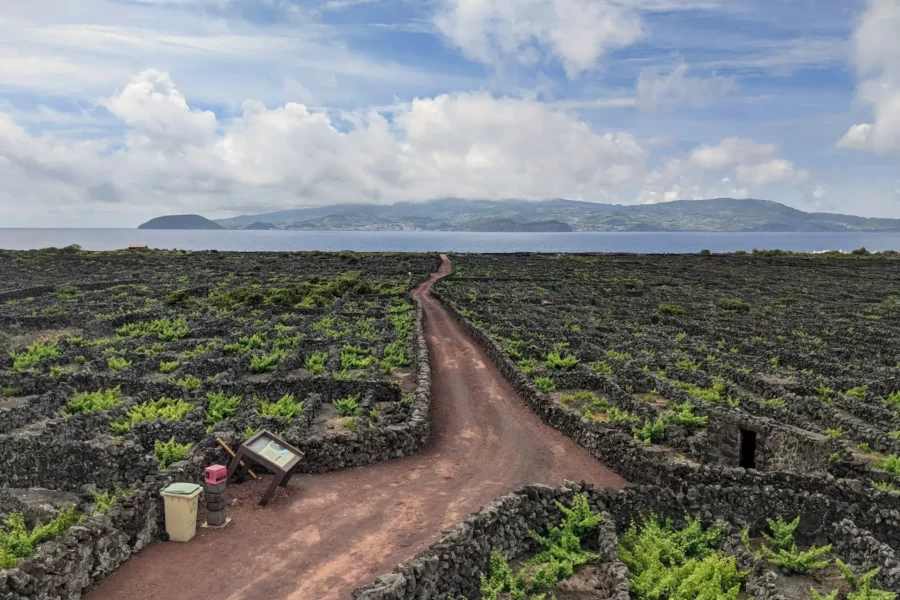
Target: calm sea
414, 241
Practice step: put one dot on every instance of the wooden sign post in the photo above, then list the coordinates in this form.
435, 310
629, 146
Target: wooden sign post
270, 451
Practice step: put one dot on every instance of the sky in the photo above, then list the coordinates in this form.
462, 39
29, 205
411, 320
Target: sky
116, 111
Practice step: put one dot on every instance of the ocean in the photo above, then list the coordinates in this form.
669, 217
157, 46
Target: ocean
424, 241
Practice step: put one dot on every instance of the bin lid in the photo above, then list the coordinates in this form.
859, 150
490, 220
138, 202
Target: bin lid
182, 489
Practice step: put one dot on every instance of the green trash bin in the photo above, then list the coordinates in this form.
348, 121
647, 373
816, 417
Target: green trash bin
181, 501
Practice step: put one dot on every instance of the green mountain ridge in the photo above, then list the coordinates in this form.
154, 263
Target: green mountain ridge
456, 214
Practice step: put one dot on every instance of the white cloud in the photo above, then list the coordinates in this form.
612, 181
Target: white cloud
766, 173
735, 167
575, 32
177, 158
731, 152
877, 59
657, 87
820, 192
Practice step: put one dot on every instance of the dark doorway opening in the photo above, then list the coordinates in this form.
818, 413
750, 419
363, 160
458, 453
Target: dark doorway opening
748, 449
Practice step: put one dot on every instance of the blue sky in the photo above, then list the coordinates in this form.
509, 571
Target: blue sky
114, 111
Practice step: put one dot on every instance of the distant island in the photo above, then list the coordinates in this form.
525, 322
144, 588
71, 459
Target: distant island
259, 226
455, 214
180, 222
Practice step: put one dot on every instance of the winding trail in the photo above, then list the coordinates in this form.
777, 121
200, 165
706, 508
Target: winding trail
334, 532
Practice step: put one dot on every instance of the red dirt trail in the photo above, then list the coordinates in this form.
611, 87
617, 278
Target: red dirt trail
331, 533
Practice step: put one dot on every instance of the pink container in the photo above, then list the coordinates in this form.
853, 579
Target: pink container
216, 474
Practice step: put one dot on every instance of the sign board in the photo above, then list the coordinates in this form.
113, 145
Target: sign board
267, 449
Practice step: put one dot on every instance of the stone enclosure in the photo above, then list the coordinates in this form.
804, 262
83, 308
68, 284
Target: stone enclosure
114, 387
741, 387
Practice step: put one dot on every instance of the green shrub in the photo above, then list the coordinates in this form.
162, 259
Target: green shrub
773, 402
733, 305
220, 407
890, 463
670, 309
651, 433
347, 407
103, 500
684, 414
717, 394
545, 384
557, 362
678, 564
167, 409
33, 354
257, 341
170, 452
616, 355
17, 543
165, 329
9, 392
688, 365
861, 586
117, 363
286, 407
560, 553
354, 357
780, 550
168, 367
858, 392
265, 363
315, 363
836, 433
600, 366
395, 355
88, 402
528, 365
189, 383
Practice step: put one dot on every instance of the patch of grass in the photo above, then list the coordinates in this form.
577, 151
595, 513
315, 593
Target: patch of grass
167, 409
168, 367
170, 452
89, 402
9, 392
285, 407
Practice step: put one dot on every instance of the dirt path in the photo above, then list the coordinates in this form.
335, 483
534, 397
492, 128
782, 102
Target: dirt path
332, 533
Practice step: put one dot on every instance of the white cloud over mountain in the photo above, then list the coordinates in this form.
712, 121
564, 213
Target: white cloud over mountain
174, 157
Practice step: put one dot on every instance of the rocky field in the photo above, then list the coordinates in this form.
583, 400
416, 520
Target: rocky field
119, 370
